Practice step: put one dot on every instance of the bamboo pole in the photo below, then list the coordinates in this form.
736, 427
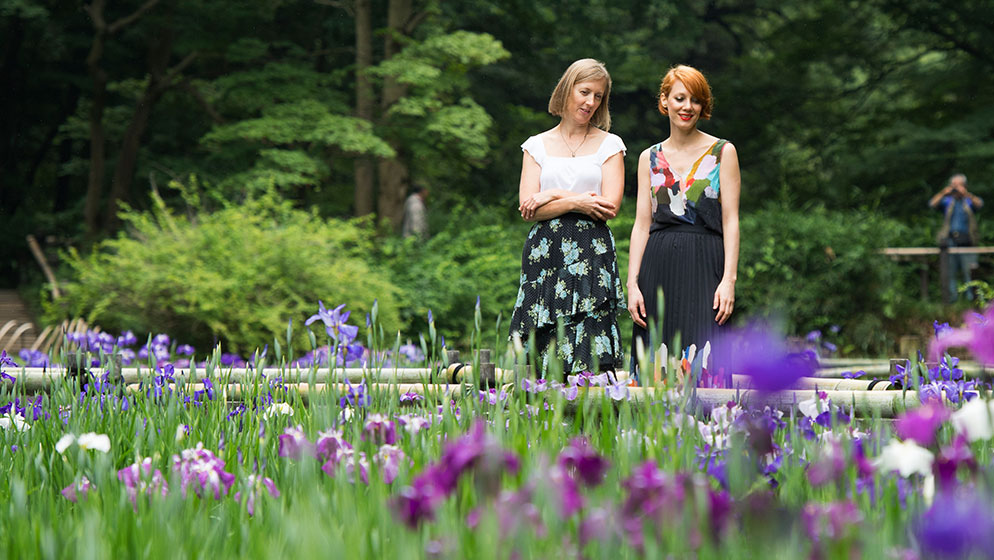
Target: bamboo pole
862, 403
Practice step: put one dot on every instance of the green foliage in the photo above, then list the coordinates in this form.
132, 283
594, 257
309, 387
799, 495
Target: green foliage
478, 253
813, 268
237, 275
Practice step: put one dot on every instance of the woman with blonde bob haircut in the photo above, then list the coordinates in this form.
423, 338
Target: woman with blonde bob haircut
572, 182
685, 242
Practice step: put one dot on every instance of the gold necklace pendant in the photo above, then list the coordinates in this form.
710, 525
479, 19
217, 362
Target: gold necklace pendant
572, 152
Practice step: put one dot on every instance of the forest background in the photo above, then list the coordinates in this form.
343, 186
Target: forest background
212, 169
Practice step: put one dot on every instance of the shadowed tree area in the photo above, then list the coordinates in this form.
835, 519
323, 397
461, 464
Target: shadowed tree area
839, 110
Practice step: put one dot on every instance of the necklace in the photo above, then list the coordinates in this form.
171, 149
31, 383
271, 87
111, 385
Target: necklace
572, 152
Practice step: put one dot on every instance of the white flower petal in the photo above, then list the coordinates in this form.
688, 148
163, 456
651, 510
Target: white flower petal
64, 443
905, 457
96, 442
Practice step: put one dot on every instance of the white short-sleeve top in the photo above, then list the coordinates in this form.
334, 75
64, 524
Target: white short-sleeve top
580, 174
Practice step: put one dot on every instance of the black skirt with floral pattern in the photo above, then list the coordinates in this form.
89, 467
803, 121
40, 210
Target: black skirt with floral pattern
569, 275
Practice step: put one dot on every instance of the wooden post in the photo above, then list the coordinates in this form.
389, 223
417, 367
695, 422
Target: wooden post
944, 274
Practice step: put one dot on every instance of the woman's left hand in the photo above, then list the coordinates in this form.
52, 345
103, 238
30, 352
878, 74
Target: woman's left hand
724, 301
533, 203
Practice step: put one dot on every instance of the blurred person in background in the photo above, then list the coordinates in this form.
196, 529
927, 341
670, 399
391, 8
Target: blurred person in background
959, 229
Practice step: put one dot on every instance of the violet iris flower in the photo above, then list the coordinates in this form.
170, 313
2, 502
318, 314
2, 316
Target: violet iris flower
762, 355
77, 491
141, 478
379, 429
950, 459
127, 338
355, 395
582, 461
958, 525
203, 471
977, 336
5, 361
334, 321
389, 458
33, 358
921, 423
294, 443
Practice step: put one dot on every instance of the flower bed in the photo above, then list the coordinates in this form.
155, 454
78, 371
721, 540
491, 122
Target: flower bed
174, 469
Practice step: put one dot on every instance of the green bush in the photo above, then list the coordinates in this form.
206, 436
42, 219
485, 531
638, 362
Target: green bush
477, 253
237, 275
813, 268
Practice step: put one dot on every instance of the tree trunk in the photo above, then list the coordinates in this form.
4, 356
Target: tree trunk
394, 173
364, 167
159, 82
98, 155
95, 183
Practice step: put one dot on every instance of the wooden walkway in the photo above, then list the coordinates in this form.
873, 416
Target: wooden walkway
923, 253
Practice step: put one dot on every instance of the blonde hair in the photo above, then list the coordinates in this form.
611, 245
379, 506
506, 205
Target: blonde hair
694, 81
583, 70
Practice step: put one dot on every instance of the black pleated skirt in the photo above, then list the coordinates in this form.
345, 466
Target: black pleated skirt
683, 265
569, 277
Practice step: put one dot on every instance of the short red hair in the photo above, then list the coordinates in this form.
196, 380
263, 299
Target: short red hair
694, 81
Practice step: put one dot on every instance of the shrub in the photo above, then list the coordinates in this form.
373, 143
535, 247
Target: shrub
814, 268
237, 275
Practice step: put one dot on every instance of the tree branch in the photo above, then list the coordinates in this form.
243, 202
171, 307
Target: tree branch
129, 19
188, 87
347, 6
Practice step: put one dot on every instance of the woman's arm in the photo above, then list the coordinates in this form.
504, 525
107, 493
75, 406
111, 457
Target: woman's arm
599, 207
640, 235
731, 183
613, 180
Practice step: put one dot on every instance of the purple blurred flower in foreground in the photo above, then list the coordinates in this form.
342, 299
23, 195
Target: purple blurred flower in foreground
761, 354
977, 336
950, 459
583, 462
831, 522
141, 478
256, 486
921, 423
294, 443
334, 321
204, 471
958, 525
477, 451
77, 490
651, 495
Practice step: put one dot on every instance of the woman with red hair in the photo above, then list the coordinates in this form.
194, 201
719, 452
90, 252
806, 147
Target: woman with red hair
685, 243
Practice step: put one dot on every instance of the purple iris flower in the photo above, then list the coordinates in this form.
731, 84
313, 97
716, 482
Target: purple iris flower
390, 458
960, 524
651, 494
920, 424
161, 339
950, 459
379, 429
853, 375
581, 460
814, 336
940, 328
33, 358
413, 353
411, 398
334, 321
760, 354
203, 471
294, 443
977, 336
534, 386
328, 444
355, 395
141, 478
127, 338
5, 361
185, 350
77, 490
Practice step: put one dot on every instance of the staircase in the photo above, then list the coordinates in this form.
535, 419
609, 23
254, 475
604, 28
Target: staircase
17, 329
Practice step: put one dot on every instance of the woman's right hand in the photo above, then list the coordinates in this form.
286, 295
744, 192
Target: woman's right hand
597, 207
636, 306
